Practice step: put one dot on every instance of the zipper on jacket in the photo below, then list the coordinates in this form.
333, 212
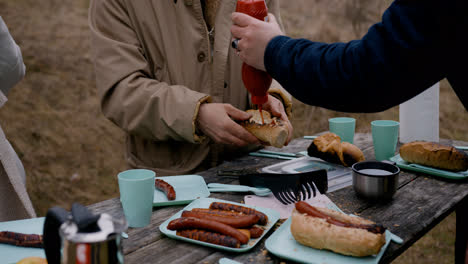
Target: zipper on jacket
210, 34
211, 44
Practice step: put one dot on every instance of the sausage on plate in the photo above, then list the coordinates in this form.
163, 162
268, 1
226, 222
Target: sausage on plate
263, 219
166, 188
209, 237
256, 232
21, 240
239, 221
196, 223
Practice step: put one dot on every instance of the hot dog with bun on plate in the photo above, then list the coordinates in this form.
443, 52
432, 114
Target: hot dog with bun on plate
323, 228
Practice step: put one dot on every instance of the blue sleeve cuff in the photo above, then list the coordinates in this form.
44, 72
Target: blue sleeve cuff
271, 57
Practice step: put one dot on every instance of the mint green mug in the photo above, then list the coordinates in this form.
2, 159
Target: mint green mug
343, 127
385, 138
136, 195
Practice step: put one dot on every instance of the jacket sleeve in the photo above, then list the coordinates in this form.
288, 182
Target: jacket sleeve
130, 97
12, 68
276, 89
397, 59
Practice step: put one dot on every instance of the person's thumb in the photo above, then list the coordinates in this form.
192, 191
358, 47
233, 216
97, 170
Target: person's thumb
236, 114
272, 18
276, 110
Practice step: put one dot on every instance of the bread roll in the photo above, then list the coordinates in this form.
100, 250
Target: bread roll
330, 148
273, 131
32, 260
434, 155
318, 233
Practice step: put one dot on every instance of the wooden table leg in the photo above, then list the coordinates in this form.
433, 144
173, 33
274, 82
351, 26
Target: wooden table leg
461, 239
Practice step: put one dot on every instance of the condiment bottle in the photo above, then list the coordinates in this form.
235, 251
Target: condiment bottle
257, 82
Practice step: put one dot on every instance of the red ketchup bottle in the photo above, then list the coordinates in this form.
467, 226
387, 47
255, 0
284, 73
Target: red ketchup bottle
256, 81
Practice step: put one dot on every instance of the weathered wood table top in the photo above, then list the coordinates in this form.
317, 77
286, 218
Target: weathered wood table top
420, 203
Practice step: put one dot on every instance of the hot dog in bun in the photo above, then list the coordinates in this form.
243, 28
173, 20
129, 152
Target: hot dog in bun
272, 131
323, 228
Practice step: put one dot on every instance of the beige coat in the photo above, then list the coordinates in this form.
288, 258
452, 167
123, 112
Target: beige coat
155, 62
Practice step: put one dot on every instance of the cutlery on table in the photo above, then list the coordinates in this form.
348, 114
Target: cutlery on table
275, 154
219, 187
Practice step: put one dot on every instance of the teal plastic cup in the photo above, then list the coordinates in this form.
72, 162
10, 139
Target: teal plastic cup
136, 195
343, 127
385, 138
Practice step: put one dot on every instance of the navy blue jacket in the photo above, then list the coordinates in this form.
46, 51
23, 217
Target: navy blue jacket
418, 43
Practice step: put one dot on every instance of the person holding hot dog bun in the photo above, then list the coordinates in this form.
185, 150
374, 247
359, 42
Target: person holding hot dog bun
416, 44
167, 77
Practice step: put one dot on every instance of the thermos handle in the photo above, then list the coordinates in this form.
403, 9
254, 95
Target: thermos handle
55, 217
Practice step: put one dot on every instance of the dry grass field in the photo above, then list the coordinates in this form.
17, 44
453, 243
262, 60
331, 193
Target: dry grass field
72, 153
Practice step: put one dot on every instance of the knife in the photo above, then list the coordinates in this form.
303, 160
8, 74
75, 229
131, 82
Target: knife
465, 148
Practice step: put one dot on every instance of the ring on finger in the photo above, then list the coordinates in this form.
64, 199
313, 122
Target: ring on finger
235, 44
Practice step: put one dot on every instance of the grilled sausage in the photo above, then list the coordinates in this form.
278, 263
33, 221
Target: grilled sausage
256, 232
245, 232
308, 209
196, 223
217, 212
209, 237
263, 219
21, 240
234, 221
166, 188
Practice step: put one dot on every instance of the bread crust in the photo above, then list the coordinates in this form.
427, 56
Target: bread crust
273, 131
318, 233
330, 148
434, 155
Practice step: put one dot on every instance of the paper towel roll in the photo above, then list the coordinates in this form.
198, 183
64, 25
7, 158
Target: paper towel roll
419, 117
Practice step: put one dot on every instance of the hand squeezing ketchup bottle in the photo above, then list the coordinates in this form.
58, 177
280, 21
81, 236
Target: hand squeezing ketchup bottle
256, 81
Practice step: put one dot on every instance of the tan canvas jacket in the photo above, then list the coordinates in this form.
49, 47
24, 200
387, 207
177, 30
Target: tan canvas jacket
155, 62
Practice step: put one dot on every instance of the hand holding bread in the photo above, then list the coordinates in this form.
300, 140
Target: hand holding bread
272, 131
277, 108
217, 121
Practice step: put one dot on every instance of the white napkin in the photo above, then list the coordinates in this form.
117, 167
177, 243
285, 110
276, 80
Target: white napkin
285, 210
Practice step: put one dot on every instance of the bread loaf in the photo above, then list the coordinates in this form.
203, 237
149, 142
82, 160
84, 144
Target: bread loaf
273, 131
434, 155
318, 233
330, 148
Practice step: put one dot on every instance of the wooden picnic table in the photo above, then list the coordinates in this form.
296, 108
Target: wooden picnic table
421, 202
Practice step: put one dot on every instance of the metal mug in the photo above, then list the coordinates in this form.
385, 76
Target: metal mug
376, 180
68, 241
